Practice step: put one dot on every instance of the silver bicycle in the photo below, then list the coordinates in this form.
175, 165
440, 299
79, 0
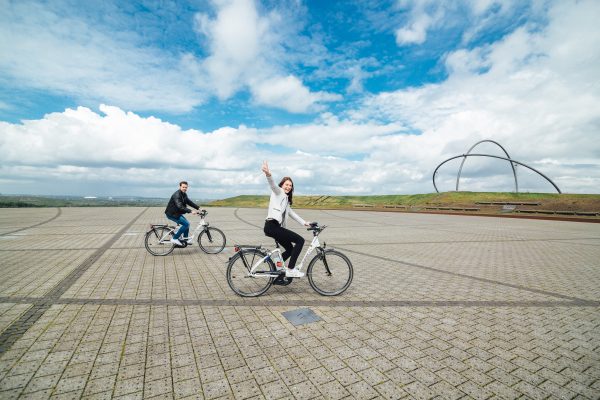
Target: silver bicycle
210, 239
253, 269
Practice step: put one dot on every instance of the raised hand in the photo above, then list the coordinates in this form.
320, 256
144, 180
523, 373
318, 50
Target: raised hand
265, 168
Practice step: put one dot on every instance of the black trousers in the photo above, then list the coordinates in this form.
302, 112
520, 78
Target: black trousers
287, 239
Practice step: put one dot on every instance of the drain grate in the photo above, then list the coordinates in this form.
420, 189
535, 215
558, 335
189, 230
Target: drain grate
301, 316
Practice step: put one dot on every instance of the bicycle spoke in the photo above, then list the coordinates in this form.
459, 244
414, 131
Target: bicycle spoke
330, 273
157, 241
239, 278
212, 240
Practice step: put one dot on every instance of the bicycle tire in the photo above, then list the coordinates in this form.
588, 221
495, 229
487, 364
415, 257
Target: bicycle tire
212, 240
237, 273
339, 277
155, 245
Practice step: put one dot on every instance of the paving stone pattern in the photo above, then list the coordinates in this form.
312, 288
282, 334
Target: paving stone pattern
447, 307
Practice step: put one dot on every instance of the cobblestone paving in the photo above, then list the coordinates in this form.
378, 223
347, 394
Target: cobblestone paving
449, 307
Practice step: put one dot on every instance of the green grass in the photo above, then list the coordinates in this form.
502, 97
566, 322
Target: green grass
414, 200
586, 202
242, 201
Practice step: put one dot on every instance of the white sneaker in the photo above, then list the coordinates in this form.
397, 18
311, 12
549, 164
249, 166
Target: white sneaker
176, 241
189, 240
293, 273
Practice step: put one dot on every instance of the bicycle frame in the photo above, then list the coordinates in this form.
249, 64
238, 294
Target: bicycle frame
202, 225
314, 244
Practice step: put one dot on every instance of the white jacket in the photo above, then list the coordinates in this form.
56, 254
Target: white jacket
279, 207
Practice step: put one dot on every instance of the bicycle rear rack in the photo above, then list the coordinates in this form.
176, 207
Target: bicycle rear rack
239, 247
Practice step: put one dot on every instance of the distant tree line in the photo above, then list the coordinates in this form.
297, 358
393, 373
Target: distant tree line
35, 201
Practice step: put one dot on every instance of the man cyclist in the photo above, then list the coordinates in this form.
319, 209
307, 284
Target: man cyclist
177, 208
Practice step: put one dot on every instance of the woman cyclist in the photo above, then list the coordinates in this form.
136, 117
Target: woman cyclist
279, 208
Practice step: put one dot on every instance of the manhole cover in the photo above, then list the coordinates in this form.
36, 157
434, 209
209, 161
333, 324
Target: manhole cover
301, 316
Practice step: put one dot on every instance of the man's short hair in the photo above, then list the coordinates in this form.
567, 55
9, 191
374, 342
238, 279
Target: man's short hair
183, 183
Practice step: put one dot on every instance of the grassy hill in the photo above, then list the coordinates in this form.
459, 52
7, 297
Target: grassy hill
584, 205
461, 201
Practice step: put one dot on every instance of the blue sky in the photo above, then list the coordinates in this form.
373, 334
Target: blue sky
348, 97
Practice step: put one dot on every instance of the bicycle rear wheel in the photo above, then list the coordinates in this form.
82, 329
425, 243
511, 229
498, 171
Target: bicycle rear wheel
238, 273
330, 273
158, 241
212, 240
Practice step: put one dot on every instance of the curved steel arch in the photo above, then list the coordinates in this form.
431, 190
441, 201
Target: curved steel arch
501, 158
505, 152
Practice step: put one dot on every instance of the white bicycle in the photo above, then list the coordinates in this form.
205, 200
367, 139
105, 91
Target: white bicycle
252, 270
210, 239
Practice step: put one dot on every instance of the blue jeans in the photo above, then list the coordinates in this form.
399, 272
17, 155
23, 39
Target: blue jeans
185, 226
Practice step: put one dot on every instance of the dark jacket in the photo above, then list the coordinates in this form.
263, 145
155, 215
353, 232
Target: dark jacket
177, 204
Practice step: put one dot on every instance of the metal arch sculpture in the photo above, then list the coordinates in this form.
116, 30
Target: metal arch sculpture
507, 158
505, 152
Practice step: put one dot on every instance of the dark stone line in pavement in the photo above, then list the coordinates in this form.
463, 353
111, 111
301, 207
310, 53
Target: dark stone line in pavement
235, 213
58, 213
560, 240
18, 328
267, 302
63, 234
72, 249
64, 285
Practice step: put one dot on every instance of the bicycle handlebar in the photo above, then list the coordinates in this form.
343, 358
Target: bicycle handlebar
315, 227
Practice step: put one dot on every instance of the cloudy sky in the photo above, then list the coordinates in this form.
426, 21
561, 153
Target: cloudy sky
347, 97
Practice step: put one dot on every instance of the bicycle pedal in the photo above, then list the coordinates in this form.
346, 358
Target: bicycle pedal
281, 280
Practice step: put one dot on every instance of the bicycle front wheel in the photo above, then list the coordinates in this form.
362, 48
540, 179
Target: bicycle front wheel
212, 240
330, 273
238, 273
158, 241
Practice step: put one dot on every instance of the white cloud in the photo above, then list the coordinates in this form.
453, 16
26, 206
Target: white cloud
425, 16
247, 51
112, 64
415, 32
332, 137
124, 151
288, 93
532, 91
84, 138
235, 40
529, 91
68, 56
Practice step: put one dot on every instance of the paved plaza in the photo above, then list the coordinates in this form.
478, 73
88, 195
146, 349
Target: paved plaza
441, 306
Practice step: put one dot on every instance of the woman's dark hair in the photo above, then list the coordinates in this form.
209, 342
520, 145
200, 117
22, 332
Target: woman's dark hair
291, 193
